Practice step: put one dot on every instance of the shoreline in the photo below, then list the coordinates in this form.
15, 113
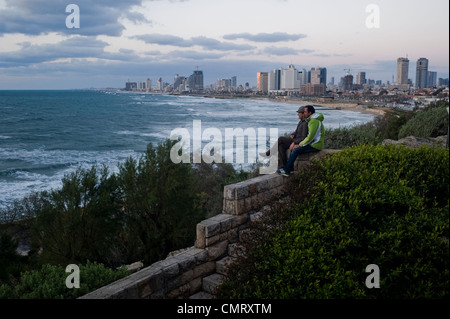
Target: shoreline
352, 107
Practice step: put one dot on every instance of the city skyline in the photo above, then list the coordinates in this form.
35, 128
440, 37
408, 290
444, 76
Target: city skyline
140, 39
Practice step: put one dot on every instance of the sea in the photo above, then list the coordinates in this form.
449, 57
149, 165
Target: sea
45, 135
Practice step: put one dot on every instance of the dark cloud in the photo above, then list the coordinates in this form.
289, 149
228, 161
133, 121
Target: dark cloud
72, 48
265, 37
99, 17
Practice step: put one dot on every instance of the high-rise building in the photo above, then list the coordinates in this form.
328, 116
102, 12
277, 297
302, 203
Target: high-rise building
290, 80
402, 71
196, 82
361, 78
304, 76
319, 76
432, 79
422, 73
348, 82
234, 83
262, 82
275, 80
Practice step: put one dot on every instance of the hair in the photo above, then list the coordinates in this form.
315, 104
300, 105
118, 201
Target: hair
310, 108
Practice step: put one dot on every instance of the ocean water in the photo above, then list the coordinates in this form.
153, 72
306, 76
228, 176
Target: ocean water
47, 134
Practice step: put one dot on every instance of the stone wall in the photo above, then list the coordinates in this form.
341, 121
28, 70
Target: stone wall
188, 272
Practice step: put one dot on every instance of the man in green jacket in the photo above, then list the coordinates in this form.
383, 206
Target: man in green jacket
312, 143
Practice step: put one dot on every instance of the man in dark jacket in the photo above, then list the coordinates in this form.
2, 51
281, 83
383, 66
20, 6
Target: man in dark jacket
285, 143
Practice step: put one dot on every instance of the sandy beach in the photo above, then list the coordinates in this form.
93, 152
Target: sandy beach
353, 107
334, 105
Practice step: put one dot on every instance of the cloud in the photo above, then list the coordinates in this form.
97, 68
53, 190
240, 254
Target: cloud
72, 48
201, 41
193, 55
265, 37
100, 17
213, 44
281, 51
164, 39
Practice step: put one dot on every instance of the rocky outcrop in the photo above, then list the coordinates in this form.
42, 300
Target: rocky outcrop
414, 142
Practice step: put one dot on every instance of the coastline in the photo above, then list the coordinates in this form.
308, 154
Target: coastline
334, 105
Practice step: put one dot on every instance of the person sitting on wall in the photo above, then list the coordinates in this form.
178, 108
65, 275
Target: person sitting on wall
312, 143
291, 141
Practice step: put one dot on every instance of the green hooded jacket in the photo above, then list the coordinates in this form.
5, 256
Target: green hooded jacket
316, 132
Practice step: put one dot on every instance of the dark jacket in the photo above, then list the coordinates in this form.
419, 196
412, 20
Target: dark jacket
301, 132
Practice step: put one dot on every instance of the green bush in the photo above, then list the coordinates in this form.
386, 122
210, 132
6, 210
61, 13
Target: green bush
432, 122
383, 205
389, 125
50, 282
160, 203
78, 222
357, 135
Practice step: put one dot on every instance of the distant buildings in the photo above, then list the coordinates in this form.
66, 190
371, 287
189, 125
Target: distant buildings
196, 82
422, 73
347, 83
262, 82
402, 71
290, 81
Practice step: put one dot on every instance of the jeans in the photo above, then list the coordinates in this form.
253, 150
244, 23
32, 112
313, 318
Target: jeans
289, 167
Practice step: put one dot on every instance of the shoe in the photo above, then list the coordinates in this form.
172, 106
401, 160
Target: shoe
282, 172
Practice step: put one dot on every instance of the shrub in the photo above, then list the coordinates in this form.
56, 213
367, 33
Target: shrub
357, 135
49, 282
160, 204
432, 122
78, 222
389, 125
383, 205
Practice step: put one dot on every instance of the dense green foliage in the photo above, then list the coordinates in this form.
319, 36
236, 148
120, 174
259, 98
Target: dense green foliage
49, 282
383, 205
431, 121
141, 213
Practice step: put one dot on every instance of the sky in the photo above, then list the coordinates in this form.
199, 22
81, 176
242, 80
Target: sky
42, 47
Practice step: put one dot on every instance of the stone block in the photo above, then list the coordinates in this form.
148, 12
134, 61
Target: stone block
195, 285
229, 207
242, 191
229, 192
239, 220
217, 250
204, 269
151, 284
200, 255
211, 283
212, 240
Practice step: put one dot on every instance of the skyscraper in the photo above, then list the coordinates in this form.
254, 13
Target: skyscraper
402, 70
196, 82
422, 73
274, 80
361, 78
262, 82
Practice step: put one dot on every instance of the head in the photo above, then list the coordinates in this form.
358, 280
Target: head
301, 112
309, 110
